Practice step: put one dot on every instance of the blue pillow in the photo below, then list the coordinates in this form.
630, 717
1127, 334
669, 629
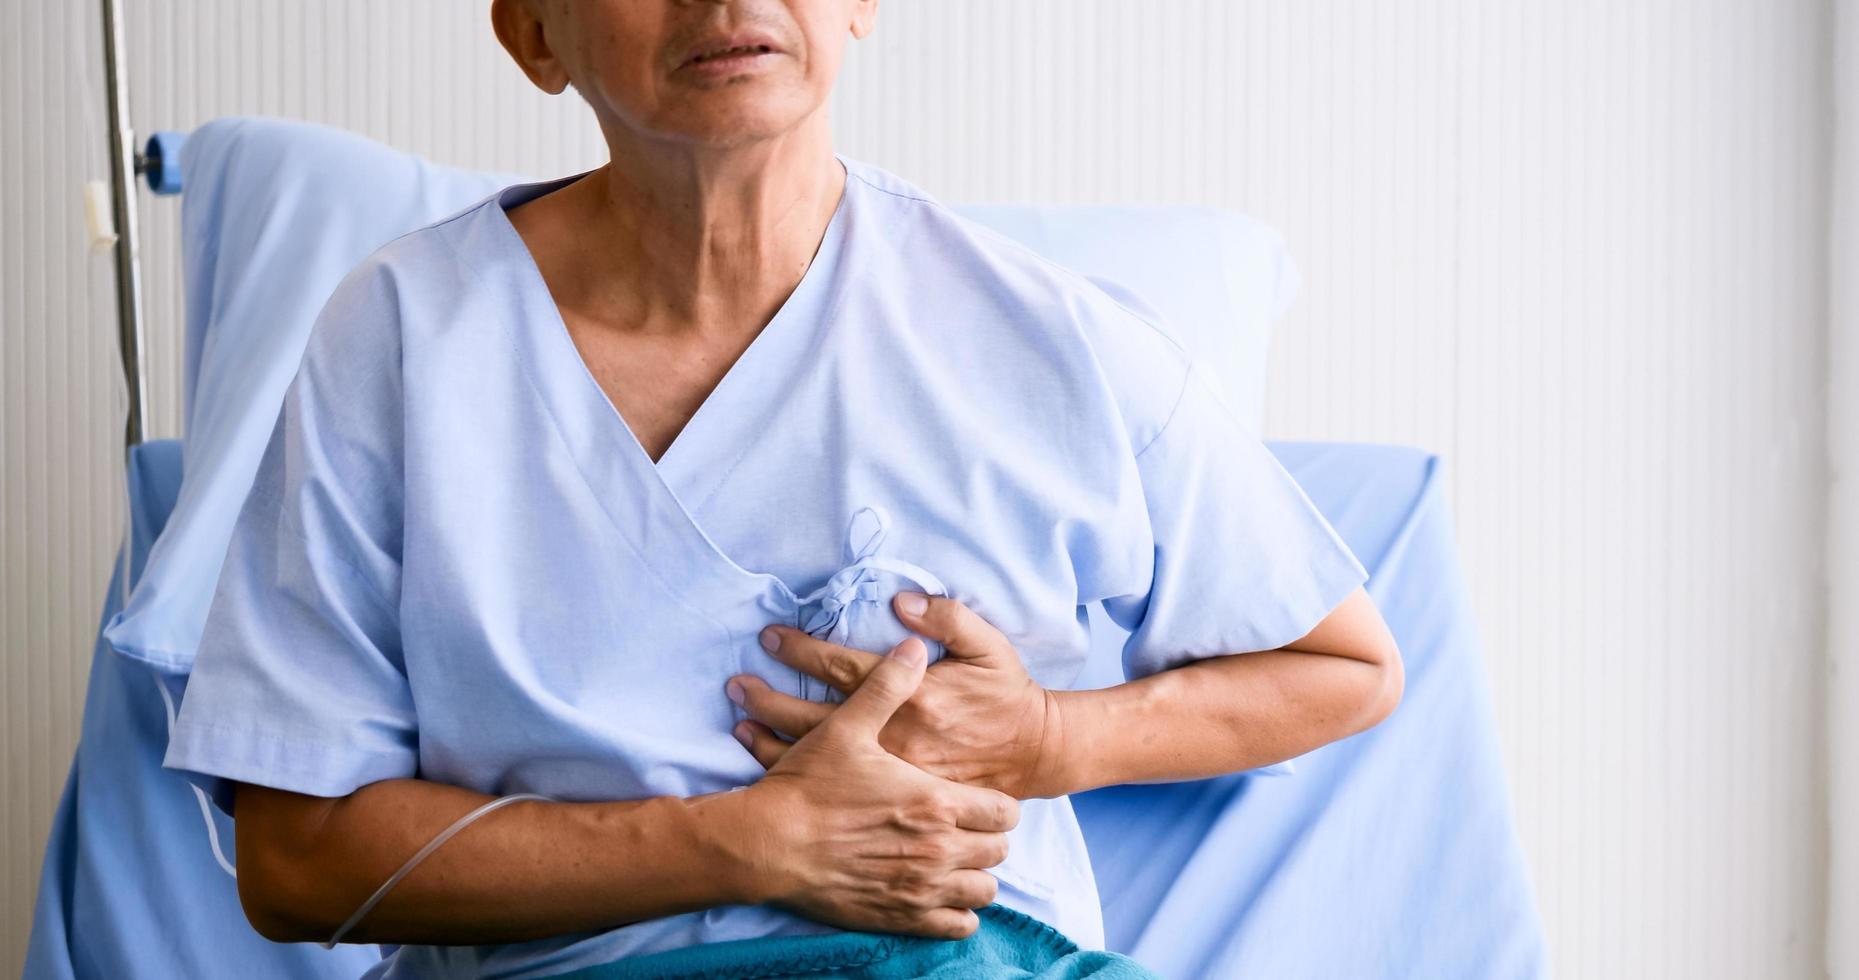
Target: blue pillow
276, 212
1216, 280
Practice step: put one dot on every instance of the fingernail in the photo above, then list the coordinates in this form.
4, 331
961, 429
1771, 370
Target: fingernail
771, 640
734, 690
742, 735
912, 654
914, 603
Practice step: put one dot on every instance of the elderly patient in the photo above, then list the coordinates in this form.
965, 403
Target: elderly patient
745, 501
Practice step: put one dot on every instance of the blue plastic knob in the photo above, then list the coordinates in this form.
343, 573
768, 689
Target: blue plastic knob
163, 166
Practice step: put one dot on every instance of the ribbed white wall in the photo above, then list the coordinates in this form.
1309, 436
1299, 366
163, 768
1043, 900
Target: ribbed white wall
1576, 246
1843, 514
59, 468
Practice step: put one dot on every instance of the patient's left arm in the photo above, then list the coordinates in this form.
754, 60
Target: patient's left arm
1227, 714
978, 718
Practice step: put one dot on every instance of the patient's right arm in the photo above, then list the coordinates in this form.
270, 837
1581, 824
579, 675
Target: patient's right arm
840, 831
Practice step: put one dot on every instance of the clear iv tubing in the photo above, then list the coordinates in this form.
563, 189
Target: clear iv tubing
219, 854
432, 845
200, 796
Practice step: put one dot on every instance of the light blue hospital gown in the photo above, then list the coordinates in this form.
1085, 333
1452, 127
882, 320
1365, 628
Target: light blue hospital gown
458, 563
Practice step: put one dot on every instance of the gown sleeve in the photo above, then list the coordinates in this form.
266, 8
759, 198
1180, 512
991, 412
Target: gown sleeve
1243, 561
299, 683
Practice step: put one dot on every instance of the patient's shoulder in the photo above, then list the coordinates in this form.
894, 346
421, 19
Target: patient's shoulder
430, 277
444, 249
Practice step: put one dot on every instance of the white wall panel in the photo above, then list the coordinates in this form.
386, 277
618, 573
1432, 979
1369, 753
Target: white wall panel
58, 431
1576, 246
1843, 515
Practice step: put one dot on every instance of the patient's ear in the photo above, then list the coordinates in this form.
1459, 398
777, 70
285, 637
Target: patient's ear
864, 18
518, 24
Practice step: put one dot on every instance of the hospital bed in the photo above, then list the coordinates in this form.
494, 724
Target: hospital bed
1389, 854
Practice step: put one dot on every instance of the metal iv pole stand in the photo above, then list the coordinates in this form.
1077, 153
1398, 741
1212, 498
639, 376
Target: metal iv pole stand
123, 168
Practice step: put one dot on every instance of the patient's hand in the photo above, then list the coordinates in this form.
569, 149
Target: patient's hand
978, 718
848, 834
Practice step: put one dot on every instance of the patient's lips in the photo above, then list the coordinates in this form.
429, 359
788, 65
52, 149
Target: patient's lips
729, 55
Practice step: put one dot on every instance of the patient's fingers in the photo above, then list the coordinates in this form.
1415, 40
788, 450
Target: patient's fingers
962, 631
947, 924
987, 810
886, 688
970, 889
784, 713
978, 850
763, 743
842, 668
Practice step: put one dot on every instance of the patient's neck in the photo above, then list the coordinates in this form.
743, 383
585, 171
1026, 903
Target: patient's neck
673, 237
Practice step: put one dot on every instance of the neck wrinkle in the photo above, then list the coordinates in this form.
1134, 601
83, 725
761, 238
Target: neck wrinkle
708, 228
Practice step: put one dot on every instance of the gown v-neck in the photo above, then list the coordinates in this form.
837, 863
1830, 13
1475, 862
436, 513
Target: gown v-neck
703, 451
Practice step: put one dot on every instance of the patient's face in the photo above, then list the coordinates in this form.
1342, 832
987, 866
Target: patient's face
653, 68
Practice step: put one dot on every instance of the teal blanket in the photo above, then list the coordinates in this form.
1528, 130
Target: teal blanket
1008, 945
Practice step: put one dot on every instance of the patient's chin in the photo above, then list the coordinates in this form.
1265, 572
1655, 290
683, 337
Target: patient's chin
736, 114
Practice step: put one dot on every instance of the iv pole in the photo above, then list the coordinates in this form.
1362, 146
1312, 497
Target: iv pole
122, 180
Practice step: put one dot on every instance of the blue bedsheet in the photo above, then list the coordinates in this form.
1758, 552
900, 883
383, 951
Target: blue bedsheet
1391, 854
